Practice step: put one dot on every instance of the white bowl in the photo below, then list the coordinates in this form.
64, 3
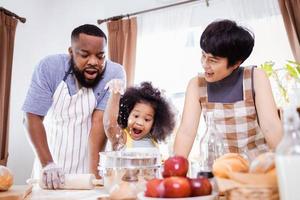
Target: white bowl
141, 196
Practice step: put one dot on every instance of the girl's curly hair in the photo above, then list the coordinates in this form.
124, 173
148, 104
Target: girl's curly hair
164, 118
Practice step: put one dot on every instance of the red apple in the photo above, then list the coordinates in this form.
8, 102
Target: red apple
175, 166
177, 187
200, 186
155, 188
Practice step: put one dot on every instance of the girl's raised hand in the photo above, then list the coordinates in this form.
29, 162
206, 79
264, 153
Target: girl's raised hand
116, 86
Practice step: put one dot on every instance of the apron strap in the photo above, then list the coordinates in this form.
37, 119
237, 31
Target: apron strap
248, 83
252, 82
253, 91
67, 73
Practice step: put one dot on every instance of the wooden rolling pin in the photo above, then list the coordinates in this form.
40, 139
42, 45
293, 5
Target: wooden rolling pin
74, 182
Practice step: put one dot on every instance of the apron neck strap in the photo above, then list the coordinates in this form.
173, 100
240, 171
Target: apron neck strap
67, 73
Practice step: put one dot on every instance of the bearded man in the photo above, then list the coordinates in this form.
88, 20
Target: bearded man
64, 107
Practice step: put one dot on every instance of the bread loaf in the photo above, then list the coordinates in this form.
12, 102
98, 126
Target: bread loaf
263, 163
230, 162
6, 178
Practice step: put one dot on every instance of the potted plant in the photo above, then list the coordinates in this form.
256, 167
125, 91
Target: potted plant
287, 81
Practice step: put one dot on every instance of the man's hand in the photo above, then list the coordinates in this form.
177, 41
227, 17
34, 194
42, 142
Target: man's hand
52, 176
116, 86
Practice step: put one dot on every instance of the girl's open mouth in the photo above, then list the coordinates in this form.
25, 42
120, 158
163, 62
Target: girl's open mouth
136, 131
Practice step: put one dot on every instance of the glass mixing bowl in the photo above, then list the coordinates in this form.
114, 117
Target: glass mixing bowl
125, 173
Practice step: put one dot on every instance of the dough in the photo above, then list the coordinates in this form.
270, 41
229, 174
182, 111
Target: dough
124, 190
77, 182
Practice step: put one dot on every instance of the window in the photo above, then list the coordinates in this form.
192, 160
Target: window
171, 57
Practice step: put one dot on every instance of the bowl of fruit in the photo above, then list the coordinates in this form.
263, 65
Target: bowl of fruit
176, 184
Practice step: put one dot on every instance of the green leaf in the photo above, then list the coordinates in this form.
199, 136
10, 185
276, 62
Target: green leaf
292, 71
293, 62
284, 94
298, 69
268, 67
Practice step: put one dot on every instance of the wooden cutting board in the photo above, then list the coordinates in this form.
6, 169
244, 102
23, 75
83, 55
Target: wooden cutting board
16, 192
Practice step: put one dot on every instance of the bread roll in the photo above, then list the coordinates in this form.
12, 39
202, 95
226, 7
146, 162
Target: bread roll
6, 178
263, 163
231, 162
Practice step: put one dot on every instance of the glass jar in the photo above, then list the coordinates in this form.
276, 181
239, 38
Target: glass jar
288, 156
210, 176
211, 145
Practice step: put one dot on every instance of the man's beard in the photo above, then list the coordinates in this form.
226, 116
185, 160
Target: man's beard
88, 83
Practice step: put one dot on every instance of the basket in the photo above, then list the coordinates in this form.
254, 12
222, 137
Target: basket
252, 193
245, 186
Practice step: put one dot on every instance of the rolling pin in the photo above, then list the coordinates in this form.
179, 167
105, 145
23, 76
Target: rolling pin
74, 182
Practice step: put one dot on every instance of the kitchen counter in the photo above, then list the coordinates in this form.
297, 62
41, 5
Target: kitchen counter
95, 194
38, 194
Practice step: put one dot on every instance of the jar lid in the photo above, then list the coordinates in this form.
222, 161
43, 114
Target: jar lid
206, 174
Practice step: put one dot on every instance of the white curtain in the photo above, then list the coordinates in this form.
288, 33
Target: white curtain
165, 20
161, 36
168, 40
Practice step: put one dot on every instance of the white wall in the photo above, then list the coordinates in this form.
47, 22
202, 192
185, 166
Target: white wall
47, 31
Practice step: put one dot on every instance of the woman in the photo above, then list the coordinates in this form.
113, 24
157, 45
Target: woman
241, 97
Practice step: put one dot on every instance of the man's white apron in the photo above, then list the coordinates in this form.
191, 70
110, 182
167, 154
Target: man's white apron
68, 124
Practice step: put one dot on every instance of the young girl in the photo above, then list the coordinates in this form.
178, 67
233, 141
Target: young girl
139, 118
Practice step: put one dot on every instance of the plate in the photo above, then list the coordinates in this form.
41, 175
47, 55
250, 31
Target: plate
141, 196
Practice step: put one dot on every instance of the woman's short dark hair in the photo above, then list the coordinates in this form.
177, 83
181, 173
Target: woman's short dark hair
164, 118
88, 29
225, 38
